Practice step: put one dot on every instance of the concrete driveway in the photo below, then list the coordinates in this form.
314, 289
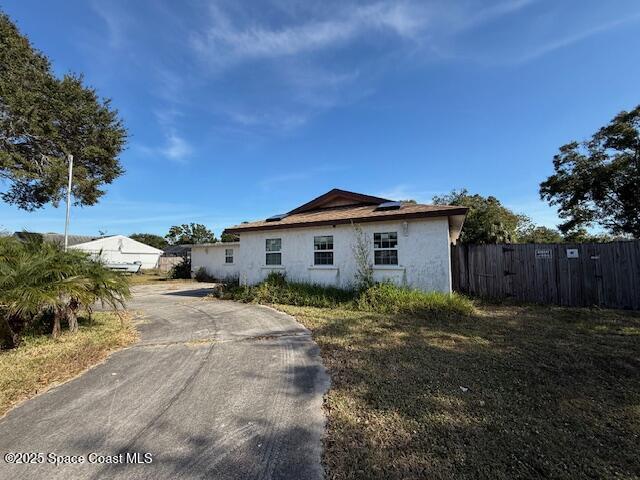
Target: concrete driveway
214, 389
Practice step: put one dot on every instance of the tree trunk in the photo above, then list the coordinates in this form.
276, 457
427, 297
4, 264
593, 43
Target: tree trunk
71, 313
73, 321
56, 323
8, 338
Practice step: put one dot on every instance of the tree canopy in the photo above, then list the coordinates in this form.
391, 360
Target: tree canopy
150, 239
229, 237
190, 233
539, 234
44, 119
598, 181
488, 221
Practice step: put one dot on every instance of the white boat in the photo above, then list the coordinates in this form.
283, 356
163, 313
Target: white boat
124, 267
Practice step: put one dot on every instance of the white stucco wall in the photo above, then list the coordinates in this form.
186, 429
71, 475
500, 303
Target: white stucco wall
121, 249
212, 258
423, 255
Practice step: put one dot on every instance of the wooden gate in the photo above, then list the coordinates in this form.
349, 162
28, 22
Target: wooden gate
603, 274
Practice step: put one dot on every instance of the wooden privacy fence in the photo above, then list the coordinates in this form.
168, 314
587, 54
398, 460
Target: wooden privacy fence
167, 263
602, 274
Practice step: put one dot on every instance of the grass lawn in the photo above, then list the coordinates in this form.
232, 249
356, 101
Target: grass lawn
41, 361
150, 277
511, 392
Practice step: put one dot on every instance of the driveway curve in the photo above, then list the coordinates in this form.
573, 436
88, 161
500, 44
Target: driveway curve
213, 389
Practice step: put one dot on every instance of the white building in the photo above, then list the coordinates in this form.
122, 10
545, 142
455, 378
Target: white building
119, 249
409, 244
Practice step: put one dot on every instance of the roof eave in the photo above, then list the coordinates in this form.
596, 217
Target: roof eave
343, 221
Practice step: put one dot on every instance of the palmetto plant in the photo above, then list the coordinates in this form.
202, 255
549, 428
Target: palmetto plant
38, 278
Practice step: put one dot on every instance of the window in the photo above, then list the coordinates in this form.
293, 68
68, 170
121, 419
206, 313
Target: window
323, 250
274, 255
385, 248
228, 255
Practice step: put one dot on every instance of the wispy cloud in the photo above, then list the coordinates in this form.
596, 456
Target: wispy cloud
470, 19
566, 41
224, 42
408, 192
270, 182
116, 21
177, 148
283, 62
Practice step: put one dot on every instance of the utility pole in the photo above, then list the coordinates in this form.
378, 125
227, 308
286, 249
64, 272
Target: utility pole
66, 223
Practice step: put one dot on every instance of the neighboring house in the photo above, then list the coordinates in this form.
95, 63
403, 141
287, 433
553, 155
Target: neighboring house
220, 260
181, 251
409, 243
120, 249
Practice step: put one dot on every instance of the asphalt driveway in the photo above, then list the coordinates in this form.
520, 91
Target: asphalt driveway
213, 389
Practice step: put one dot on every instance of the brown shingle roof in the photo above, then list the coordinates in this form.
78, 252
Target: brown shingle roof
348, 214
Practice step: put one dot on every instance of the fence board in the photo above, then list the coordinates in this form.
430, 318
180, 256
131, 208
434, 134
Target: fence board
606, 274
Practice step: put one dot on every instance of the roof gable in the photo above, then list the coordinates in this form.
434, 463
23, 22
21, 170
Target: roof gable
338, 198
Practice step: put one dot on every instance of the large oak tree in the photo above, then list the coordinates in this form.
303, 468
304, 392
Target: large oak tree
597, 182
488, 221
43, 119
189, 234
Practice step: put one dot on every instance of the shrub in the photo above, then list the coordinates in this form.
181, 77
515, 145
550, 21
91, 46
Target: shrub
181, 270
389, 298
381, 298
203, 276
40, 282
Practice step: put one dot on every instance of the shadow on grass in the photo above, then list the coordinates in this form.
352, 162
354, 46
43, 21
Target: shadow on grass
522, 393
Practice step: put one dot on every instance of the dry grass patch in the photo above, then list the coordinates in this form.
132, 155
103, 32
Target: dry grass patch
510, 392
41, 361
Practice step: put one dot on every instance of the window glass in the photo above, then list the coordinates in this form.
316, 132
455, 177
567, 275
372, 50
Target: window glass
323, 258
273, 247
228, 255
274, 244
385, 248
323, 250
385, 240
324, 242
273, 258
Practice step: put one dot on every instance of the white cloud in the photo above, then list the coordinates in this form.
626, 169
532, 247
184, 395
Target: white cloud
408, 192
177, 148
488, 14
566, 41
116, 21
224, 42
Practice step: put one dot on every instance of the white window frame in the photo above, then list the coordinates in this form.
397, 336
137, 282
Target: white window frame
385, 249
271, 250
227, 256
322, 250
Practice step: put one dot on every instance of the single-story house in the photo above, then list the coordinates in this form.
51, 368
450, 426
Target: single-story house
119, 249
407, 243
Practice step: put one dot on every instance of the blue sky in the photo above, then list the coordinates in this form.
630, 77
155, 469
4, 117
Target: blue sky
238, 110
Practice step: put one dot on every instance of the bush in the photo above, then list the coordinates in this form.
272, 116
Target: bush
203, 276
381, 298
389, 298
276, 289
41, 284
181, 270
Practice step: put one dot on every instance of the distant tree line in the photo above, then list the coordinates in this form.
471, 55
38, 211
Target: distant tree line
489, 221
185, 234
